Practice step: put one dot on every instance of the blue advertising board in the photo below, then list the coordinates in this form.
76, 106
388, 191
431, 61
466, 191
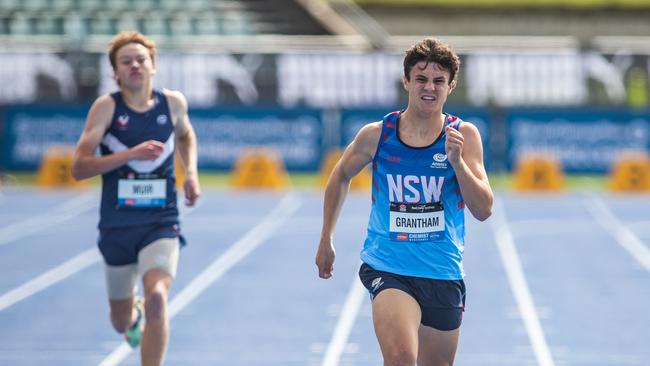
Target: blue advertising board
222, 134
583, 140
31, 129
296, 134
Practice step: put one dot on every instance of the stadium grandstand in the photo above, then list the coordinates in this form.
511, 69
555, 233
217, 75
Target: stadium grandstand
59, 21
335, 55
79, 28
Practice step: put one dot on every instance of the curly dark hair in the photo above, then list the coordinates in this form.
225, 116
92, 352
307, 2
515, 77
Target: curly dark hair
432, 50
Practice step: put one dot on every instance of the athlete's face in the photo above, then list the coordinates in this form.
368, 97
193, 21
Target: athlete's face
134, 66
428, 86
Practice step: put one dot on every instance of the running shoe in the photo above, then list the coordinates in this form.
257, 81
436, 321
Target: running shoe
133, 334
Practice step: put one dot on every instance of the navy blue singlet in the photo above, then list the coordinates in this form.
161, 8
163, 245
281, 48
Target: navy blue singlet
141, 191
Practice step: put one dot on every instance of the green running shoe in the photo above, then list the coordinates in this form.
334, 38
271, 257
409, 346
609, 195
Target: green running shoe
133, 334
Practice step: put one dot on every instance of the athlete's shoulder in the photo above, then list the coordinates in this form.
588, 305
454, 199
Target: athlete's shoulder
175, 98
461, 125
103, 101
370, 131
372, 126
104, 106
365, 142
468, 128
177, 103
392, 115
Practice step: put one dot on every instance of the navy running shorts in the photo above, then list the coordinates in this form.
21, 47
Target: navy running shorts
120, 245
442, 301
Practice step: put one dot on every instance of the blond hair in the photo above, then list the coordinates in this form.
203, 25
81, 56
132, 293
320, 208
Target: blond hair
124, 38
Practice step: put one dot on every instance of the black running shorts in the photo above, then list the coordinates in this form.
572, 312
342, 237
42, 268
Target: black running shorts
442, 301
120, 246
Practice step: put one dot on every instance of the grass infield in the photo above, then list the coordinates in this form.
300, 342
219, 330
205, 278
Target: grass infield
312, 180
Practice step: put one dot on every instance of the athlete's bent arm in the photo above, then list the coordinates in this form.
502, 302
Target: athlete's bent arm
86, 164
465, 153
186, 144
355, 157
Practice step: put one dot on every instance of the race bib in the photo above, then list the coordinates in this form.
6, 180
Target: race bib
142, 193
416, 222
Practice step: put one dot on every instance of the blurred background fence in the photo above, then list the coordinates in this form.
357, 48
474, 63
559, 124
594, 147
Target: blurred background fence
301, 76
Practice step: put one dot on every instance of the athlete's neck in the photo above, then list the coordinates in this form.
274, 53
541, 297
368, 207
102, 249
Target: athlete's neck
423, 124
139, 100
418, 132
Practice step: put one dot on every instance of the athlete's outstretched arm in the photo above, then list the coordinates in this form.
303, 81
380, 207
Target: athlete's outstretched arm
355, 157
86, 163
465, 153
186, 144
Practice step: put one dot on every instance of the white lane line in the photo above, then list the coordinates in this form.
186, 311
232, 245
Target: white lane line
624, 236
517, 281
66, 211
49, 278
349, 313
239, 250
642, 228
57, 274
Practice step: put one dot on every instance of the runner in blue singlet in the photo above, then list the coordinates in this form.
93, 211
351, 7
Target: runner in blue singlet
427, 167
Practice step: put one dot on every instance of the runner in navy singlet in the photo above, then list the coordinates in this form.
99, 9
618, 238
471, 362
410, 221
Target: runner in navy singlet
427, 167
138, 130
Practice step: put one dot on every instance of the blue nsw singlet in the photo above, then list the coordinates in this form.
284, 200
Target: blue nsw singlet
141, 191
417, 222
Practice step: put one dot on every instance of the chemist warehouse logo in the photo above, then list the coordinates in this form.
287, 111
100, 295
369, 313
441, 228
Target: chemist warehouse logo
439, 161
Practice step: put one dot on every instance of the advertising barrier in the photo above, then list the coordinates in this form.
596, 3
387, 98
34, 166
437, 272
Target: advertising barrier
296, 134
222, 134
30, 130
583, 140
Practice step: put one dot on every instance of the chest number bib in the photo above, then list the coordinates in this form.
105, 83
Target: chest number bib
416, 222
142, 193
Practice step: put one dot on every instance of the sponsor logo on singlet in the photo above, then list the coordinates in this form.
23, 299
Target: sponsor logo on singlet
439, 161
123, 122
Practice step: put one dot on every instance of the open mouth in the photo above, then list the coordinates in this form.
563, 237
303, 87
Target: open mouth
428, 98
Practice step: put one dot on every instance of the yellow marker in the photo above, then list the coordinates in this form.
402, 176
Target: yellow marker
539, 172
630, 173
260, 168
56, 169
